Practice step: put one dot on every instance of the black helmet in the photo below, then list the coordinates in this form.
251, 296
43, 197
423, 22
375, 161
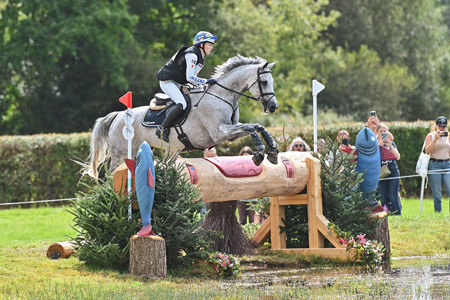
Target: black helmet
441, 121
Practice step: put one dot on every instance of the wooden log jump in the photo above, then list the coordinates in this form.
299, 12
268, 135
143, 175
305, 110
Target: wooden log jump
237, 178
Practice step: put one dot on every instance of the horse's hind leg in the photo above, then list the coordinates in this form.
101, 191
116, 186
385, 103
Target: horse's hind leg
272, 152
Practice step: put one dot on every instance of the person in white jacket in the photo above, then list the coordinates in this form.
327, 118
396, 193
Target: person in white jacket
181, 69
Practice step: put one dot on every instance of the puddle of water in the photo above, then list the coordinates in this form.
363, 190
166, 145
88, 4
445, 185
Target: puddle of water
418, 278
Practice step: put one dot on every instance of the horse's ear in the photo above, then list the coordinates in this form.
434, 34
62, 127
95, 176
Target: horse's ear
270, 66
265, 65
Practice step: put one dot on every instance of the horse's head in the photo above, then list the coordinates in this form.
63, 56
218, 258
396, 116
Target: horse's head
263, 88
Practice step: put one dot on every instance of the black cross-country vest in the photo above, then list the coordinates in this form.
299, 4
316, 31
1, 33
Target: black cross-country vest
175, 69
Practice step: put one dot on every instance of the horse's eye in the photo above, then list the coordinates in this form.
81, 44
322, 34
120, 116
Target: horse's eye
263, 82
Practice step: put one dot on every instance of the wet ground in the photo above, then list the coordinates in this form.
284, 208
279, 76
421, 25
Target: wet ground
417, 278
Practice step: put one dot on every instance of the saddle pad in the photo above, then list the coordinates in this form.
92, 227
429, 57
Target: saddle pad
153, 118
235, 166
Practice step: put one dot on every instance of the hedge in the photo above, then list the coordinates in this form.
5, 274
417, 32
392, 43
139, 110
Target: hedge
41, 167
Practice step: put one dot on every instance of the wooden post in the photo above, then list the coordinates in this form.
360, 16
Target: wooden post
148, 256
276, 215
314, 203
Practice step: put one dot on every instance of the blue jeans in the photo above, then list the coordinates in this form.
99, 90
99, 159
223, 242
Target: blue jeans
389, 190
436, 181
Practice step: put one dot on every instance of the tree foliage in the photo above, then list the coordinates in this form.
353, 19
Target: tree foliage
65, 63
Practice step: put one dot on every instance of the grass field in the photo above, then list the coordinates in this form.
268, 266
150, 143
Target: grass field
26, 273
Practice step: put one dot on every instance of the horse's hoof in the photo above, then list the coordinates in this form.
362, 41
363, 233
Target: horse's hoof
257, 158
273, 158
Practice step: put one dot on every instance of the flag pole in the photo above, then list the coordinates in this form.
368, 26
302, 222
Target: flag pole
317, 87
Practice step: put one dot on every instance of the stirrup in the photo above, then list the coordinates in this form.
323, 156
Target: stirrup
158, 132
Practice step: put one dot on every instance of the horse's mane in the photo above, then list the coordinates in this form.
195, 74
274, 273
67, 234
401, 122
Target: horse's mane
235, 62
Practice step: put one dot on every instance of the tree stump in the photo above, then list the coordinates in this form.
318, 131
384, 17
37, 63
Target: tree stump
382, 236
148, 256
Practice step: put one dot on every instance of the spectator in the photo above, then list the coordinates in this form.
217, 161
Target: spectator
389, 188
344, 138
438, 147
243, 205
298, 144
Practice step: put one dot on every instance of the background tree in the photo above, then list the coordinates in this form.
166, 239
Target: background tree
65, 61
410, 34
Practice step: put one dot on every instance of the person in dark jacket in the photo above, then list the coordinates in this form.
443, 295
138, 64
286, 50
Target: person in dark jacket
181, 69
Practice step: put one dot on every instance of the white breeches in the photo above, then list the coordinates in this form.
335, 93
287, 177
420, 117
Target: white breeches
172, 89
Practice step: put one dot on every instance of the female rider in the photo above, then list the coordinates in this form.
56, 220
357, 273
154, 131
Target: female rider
181, 69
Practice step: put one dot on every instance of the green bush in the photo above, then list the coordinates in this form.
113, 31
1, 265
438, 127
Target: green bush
102, 226
40, 167
176, 215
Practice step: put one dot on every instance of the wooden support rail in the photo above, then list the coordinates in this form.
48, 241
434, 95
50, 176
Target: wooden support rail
317, 223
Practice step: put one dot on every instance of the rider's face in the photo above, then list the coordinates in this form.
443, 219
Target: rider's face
208, 48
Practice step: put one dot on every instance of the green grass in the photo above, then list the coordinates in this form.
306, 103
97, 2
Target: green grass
45, 224
413, 234
26, 273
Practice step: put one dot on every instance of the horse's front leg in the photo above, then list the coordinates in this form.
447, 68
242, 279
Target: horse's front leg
227, 132
272, 152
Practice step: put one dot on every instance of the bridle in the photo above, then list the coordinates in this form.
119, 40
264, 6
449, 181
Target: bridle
261, 98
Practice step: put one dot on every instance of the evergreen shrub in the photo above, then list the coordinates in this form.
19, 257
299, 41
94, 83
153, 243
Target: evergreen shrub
103, 228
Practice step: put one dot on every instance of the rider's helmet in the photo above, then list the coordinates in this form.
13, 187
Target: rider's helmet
202, 37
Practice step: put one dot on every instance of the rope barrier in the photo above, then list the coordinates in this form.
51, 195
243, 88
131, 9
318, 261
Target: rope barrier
431, 172
37, 201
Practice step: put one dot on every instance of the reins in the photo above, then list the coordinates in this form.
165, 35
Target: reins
262, 94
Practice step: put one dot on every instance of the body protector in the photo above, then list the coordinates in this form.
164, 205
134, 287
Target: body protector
183, 67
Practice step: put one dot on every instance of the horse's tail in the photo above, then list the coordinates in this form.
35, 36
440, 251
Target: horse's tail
99, 145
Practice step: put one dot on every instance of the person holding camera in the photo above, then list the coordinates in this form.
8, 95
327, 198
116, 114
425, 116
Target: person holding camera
389, 188
438, 147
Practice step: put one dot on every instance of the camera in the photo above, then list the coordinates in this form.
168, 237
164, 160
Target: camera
444, 133
346, 142
384, 135
373, 113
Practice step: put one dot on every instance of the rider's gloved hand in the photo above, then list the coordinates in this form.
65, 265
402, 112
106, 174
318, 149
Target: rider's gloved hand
211, 81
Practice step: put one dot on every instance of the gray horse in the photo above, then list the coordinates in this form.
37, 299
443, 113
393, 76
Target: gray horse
213, 119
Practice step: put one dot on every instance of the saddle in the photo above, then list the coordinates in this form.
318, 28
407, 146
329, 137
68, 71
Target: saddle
156, 113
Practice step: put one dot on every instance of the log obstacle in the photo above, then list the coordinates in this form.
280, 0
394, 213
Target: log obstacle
282, 183
237, 178
60, 250
230, 178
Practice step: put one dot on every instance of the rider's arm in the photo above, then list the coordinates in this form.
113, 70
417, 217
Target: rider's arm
191, 74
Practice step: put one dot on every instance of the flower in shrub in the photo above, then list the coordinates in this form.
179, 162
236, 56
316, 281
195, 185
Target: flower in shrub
225, 265
368, 251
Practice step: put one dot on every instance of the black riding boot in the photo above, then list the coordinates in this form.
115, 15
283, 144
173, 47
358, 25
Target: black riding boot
171, 115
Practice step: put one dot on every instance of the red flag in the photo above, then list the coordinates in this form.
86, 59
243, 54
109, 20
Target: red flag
126, 99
